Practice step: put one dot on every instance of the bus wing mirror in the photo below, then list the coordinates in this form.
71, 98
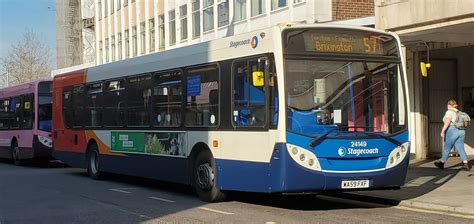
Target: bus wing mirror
424, 68
258, 78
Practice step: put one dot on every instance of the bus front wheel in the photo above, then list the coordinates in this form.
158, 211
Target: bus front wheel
204, 179
16, 154
93, 163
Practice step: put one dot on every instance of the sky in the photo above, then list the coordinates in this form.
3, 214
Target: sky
16, 16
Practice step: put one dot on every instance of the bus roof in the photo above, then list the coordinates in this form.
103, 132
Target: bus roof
29, 87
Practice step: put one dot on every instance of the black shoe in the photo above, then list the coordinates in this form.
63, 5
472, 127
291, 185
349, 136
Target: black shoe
439, 164
466, 166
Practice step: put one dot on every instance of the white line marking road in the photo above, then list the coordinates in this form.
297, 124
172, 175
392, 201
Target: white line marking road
121, 191
162, 199
216, 211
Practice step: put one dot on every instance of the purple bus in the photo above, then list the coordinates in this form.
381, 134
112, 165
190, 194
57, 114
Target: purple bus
25, 121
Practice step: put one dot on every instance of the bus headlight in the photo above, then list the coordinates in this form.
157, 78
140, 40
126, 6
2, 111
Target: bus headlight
397, 155
45, 141
303, 157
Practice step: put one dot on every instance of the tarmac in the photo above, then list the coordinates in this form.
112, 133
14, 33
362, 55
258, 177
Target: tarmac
449, 190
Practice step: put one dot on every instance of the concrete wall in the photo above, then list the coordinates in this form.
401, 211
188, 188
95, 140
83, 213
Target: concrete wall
398, 13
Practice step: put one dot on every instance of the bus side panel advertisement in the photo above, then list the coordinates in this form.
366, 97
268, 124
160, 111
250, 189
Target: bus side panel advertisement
154, 143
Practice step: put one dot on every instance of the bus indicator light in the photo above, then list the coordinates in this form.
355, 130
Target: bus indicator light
215, 143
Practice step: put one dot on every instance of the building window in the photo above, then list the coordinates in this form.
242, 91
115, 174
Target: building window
106, 50
99, 9
119, 46
183, 13
125, 3
223, 14
119, 4
208, 18
240, 10
106, 8
278, 4
127, 43
161, 31
112, 6
142, 37
298, 1
151, 27
172, 27
257, 7
113, 48
100, 52
134, 41
196, 19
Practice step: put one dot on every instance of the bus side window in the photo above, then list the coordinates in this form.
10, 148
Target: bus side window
4, 121
273, 91
114, 104
78, 106
15, 112
167, 98
93, 105
28, 112
138, 99
248, 100
202, 84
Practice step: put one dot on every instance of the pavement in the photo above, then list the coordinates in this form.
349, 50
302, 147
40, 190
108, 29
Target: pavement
449, 190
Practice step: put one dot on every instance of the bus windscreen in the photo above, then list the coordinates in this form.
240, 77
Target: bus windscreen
45, 106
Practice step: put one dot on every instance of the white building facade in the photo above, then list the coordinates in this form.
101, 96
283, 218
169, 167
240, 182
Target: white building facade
130, 28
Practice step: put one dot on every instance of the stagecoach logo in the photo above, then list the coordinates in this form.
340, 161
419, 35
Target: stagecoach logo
253, 42
341, 151
357, 152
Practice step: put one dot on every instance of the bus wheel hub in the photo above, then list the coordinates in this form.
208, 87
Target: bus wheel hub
205, 176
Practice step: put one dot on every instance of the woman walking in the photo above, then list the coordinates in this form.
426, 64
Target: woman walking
452, 136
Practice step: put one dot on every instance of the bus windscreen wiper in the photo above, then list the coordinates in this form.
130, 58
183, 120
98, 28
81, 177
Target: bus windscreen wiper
380, 135
321, 138
318, 140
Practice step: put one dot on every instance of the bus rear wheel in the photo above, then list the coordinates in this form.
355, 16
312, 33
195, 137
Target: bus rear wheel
16, 154
93, 162
204, 179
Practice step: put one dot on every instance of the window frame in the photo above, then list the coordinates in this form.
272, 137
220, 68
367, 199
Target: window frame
267, 122
185, 91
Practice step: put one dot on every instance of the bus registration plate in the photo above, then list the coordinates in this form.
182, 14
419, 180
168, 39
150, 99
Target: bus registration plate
348, 184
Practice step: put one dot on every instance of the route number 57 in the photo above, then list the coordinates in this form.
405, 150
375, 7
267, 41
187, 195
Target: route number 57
370, 44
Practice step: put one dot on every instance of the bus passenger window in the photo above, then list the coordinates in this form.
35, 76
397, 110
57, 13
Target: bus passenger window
167, 98
15, 112
248, 100
114, 104
138, 99
93, 106
78, 106
4, 121
67, 110
202, 96
28, 112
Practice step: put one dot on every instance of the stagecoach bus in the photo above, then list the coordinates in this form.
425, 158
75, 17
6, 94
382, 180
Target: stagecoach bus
25, 121
291, 108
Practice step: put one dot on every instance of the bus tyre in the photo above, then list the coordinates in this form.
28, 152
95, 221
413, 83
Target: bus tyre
16, 154
204, 179
93, 162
